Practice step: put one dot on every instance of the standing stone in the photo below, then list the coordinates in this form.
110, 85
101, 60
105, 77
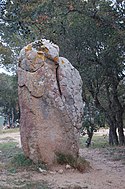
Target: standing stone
50, 99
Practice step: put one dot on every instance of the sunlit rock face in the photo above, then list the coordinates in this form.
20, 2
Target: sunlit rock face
50, 99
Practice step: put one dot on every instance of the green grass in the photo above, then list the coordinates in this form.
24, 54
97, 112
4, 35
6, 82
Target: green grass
19, 161
97, 141
8, 150
13, 161
7, 145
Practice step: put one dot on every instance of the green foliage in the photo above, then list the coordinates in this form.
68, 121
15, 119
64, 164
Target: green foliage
6, 53
9, 97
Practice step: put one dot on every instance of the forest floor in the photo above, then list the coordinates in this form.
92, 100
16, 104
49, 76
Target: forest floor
107, 172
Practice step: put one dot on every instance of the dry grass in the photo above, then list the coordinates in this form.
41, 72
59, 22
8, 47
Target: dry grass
13, 130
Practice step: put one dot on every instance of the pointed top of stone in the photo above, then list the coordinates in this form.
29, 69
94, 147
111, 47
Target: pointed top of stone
50, 49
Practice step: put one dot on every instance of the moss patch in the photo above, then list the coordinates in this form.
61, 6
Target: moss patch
76, 162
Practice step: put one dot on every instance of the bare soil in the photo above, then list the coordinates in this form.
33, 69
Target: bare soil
106, 172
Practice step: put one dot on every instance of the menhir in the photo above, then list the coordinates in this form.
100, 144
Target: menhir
50, 99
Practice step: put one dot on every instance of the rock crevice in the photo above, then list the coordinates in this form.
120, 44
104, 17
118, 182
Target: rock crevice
57, 79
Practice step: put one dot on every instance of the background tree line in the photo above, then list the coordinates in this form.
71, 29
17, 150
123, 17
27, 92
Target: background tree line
91, 34
9, 99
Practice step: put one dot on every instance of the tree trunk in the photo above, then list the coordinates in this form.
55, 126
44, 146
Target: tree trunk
119, 110
110, 138
12, 118
113, 137
121, 136
90, 135
9, 122
120, 128
114, 116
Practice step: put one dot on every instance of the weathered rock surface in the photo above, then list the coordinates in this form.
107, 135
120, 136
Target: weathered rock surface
50, 100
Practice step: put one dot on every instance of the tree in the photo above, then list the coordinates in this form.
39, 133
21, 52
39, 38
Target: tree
106, 61
9, 98
93, 119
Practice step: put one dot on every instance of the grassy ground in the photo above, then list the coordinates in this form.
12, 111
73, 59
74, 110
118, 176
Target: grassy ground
13, 162
113, 153
97, 141
13, 130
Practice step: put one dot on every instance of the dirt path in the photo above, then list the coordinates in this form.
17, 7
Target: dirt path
105, 174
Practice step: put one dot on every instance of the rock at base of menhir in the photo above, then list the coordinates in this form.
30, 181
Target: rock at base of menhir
50, 99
